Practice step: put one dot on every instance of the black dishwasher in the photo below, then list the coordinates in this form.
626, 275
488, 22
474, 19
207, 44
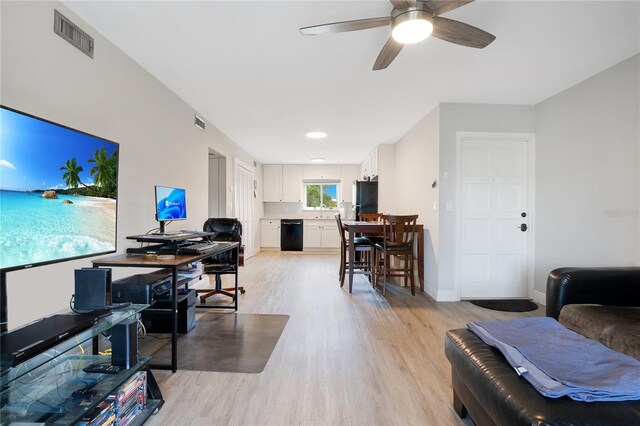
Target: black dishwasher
291, 235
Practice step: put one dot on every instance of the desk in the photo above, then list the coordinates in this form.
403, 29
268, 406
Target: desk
142, 261
355, 227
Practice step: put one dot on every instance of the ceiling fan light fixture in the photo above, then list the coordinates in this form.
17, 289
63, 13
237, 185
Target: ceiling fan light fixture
411, 27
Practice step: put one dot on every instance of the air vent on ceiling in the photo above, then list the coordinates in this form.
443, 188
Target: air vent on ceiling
199, 123
72, 33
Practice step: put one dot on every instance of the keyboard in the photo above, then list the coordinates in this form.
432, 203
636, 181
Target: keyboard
197, 248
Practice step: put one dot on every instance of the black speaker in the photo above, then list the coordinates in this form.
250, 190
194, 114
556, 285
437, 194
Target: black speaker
93, 289
124, 344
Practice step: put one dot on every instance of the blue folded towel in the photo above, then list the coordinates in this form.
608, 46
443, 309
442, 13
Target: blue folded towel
559, 362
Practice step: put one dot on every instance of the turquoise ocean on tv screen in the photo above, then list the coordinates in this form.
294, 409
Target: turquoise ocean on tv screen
35, 229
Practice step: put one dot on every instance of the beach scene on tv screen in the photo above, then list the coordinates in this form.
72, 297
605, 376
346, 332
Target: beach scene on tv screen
58, 191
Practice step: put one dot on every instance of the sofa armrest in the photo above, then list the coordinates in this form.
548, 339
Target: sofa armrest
605, 286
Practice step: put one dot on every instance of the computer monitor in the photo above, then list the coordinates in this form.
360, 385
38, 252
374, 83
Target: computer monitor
171, 204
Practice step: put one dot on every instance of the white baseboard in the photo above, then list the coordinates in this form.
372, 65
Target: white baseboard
447, 296
431, 291
540, 298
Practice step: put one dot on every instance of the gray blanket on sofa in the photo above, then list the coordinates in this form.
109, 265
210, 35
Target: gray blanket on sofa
559, 362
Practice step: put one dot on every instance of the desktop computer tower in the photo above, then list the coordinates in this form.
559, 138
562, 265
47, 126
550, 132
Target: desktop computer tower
92, 289
157, 318
124, 344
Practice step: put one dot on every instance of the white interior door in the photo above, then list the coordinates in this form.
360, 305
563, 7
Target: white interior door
244, 204
494, 199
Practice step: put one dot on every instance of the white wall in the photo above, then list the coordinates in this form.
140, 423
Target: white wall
113, 97
428, 152
587, 177
587, 174
467, 118
386, 178
416, 167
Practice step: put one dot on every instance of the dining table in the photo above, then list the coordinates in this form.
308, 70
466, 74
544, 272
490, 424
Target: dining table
353, 227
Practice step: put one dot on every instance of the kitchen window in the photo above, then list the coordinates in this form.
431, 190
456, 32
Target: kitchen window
321, 195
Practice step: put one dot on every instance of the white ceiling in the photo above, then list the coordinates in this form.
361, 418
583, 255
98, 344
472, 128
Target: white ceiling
244, 66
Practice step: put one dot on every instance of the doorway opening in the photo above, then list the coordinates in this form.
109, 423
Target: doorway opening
217, 184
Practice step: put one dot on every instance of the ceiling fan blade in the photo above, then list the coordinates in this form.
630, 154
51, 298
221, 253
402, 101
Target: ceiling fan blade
460, 33
402, 4
341, 27
387, 54
440, 7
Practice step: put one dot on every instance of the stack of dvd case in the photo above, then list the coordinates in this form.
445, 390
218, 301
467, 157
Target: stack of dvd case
130, 399
102, 415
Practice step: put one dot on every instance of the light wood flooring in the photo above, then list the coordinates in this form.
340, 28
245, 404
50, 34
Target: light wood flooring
343, 359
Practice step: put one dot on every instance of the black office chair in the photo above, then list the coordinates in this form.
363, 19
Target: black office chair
226, 229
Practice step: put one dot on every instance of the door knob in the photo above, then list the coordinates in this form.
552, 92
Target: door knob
523, 227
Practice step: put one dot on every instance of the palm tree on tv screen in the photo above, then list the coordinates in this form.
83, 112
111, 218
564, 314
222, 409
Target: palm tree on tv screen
105, 171
71, 174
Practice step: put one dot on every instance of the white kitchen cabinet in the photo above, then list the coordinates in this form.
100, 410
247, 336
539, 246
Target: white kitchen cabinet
291, 183
374, 162
272, 182
349, 174
313, 171
270, 233
330, 235
282, 183
369, 167
311, 235
320, 234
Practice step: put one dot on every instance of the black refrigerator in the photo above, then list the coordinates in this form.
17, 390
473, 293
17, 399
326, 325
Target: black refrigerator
365, 197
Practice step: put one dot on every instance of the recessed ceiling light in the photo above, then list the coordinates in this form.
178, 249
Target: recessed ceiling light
317, 160
316, 135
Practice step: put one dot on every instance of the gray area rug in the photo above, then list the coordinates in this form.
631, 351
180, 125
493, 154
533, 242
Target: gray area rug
232, 343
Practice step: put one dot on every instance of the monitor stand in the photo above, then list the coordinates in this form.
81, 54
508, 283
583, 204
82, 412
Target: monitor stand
161, 230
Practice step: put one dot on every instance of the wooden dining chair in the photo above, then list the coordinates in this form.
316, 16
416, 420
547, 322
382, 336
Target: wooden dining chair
361, 265
399, 233
370, 217
374, 238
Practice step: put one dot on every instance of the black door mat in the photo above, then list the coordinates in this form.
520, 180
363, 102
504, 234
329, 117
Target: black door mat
232, 343
506, 305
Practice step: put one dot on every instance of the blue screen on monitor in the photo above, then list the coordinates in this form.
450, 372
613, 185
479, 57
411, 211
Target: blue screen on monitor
58, 192
170, 203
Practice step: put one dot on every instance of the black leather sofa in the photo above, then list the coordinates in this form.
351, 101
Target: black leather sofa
487, 388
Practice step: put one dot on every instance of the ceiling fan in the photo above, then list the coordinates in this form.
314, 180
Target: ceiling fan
412, 21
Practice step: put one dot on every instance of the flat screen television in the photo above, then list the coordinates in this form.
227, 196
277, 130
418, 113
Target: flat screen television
58, 192
171, 204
